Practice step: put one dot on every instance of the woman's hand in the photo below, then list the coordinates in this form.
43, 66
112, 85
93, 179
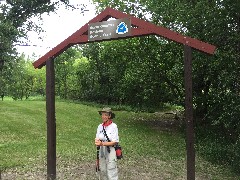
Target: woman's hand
98, 142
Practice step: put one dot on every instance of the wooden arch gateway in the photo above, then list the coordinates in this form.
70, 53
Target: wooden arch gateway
137, 28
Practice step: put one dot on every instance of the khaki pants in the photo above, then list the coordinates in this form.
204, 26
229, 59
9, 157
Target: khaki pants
108, 164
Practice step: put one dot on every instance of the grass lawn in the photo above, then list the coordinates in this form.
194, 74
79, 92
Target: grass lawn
150, 151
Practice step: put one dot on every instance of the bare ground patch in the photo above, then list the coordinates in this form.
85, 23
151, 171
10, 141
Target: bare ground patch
164, 121
129, 169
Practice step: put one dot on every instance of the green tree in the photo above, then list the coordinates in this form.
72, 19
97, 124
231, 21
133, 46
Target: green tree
64, 71
18, 79
35, 80
39, 81
83, 80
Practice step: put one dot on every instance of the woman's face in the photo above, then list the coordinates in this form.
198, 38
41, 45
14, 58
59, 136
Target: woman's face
105, 116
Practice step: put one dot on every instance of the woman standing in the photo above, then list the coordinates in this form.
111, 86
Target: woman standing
106, 139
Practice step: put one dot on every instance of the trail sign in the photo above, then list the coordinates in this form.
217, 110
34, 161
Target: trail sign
109, 29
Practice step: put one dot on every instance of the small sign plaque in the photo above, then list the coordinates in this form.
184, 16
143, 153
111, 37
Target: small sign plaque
109, 29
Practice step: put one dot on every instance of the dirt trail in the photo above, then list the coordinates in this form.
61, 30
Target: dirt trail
146, 169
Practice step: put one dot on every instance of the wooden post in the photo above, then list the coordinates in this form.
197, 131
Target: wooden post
51, 120
189, 112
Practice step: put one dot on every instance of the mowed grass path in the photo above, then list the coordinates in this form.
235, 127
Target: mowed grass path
149, 152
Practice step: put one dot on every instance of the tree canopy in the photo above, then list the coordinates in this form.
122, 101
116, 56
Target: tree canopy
15, 22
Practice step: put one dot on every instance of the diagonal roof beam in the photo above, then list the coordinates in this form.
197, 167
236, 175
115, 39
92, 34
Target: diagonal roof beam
166, 33
143, 28
60, 48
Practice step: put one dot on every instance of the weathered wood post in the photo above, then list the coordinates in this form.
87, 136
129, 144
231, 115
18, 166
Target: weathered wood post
51, 120
189, 112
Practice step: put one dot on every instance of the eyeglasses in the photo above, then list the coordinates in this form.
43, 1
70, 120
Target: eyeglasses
105, 114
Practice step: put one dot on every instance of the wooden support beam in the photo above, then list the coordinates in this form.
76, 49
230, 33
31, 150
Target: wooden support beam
143, 28
189, 112
51, 120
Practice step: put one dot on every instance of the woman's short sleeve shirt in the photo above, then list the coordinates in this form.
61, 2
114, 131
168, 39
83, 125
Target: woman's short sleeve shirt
111, 130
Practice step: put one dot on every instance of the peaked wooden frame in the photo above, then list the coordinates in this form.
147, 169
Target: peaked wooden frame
139, 28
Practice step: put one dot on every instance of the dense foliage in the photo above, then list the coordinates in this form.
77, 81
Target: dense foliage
15, 23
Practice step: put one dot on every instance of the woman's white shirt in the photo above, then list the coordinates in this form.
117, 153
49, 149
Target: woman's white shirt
111, 130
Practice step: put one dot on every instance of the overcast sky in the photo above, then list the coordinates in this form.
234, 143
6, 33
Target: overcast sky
58, 27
